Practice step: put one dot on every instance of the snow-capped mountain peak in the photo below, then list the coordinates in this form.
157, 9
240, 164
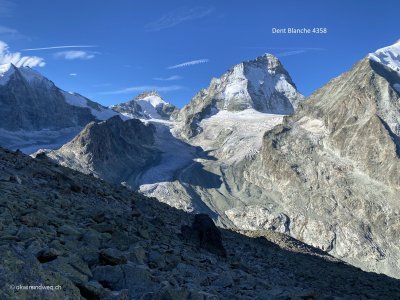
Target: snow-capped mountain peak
151, 97
30, 75
148, 105
261, 84
257, 83
388, 56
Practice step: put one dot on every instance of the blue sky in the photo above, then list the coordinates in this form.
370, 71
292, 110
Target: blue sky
176, 47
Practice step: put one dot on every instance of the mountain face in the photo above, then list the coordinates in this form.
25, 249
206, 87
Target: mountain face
102, 241
332, 169
33, 110
148, 105
261, 84
112, 149
30, 101
326, 175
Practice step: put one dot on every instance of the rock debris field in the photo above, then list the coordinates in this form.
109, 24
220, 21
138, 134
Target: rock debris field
88, 239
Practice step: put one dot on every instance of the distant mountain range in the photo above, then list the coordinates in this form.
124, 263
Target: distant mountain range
249, 150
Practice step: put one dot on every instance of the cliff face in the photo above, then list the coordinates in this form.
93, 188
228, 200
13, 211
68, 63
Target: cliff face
333, 169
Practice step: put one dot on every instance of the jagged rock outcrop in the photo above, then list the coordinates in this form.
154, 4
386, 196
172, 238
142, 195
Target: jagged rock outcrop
112, 149
204, 232
148, 105
81, 237
261, 84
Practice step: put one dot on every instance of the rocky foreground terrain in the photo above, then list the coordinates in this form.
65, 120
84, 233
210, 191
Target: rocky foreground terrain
62, 228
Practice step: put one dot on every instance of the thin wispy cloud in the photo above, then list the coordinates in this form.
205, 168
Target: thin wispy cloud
9, 34
282, 48
73, 74
190, 63
179, 16
102, 85
297, 51
290, 53
17, 59
143, 88
6, 8
285, 51
59, 47
76, 54
170, 78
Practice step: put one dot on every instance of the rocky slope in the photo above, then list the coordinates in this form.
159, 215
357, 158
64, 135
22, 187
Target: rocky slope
33, 109
148, 105
88, 239
261, 84
113, 149
332, 170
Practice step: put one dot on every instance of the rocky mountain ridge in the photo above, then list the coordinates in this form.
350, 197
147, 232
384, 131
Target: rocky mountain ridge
34, 112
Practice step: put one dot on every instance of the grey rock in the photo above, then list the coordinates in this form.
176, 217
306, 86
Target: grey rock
224, 280
170, 293
112, 257
137, 279
137, 254
205, 232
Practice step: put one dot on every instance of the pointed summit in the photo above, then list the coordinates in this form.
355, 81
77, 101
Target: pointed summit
6, 71
147, 105
29, 102
261, 84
